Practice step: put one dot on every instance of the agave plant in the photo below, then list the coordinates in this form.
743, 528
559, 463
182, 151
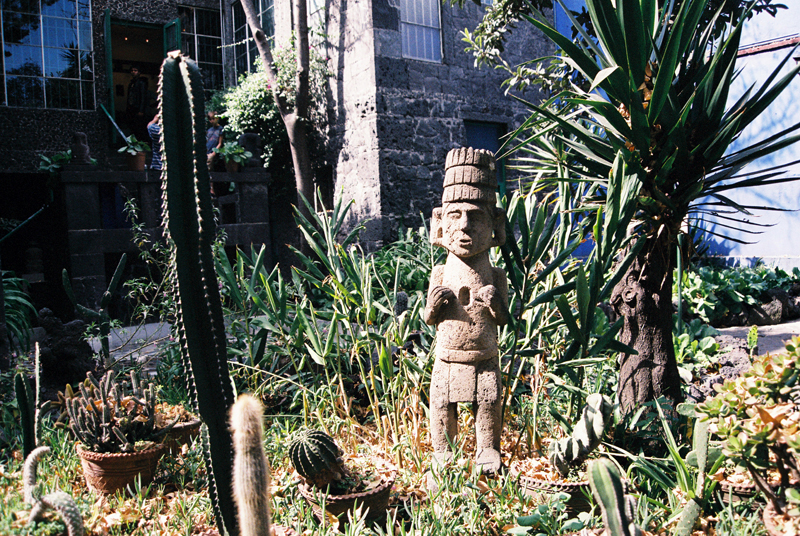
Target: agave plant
651, 133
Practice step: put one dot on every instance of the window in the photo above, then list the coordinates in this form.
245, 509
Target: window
47, 48
201, 39
245, 51
421, 29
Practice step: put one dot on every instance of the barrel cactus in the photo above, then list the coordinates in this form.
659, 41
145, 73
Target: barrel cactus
316, 457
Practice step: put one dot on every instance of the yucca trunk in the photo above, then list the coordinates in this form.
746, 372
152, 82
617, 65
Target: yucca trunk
643, 297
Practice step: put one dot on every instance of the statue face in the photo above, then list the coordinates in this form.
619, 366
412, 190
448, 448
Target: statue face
467, 228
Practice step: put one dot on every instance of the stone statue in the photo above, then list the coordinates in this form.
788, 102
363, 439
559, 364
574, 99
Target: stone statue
80, 149
467, 300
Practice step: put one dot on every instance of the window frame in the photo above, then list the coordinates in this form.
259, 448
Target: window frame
245, 42
79, 22
195, 36
406, 24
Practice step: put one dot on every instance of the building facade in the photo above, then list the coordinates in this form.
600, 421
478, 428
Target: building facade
403, 93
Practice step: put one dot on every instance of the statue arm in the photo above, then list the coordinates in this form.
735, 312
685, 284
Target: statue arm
499, 301
438, 297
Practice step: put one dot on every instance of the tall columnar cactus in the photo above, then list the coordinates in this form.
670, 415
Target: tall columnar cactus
30, 411
617, 508
250, 468
101, 317
316, 457
59, 501
586, 436
189, 225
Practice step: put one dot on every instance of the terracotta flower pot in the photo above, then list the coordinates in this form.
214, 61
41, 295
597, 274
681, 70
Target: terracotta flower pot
539, 489
135, 161
232, 166
733, 493
181, 434
376, 498
106, 472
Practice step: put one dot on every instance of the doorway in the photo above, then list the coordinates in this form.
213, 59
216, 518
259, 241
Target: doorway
135, 45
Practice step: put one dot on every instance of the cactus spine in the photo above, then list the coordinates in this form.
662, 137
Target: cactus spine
316, 457
30, 411
59, 501
617, 508
250, 468
189, 225
586, 436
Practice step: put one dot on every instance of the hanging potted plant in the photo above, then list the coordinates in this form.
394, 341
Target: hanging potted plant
234, 154
135, 152
116, 432
756, 417
326, 480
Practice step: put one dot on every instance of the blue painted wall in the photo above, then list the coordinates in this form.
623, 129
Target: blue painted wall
778, 245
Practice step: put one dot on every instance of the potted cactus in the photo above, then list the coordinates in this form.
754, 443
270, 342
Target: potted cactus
326, 480
756, 417
116, 432
566, 455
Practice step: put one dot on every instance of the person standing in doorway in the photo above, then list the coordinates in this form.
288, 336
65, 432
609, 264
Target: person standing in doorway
136, 104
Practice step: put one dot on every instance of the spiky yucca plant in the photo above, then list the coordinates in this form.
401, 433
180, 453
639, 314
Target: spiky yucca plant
651, 134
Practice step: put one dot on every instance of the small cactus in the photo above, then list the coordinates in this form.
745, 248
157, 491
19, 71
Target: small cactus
250, 468
317, 458
586, 436
617, 508
59, 501
31, 411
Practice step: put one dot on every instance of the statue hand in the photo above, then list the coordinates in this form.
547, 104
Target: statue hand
438, 297
488, 295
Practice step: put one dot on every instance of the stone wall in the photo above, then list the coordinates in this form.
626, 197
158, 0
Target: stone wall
414, 114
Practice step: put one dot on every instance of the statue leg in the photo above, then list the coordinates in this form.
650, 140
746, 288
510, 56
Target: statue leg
488, 425
444, 421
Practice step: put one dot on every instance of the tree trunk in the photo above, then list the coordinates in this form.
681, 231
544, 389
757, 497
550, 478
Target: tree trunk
295, 119
644, 299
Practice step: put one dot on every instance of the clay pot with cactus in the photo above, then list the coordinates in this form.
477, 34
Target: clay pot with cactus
326, 480
116, 432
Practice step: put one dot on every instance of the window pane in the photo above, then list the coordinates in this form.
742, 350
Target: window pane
85, 35
209, 49
23, 60
21, 29
60, 33
22, 6
87, 66
87, 96
59, 8
208, 22
25, 91
60, 62
63, 93
84, 10
187, 45
186, 14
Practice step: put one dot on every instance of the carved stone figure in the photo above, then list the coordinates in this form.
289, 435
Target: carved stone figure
467, 300
80, 149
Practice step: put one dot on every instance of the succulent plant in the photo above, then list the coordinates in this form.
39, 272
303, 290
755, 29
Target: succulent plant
586, 436
316, 457
59, 501
617, 508
250, 468
105, 418
189, 226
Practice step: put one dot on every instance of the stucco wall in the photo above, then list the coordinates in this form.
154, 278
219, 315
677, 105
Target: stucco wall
778, 244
